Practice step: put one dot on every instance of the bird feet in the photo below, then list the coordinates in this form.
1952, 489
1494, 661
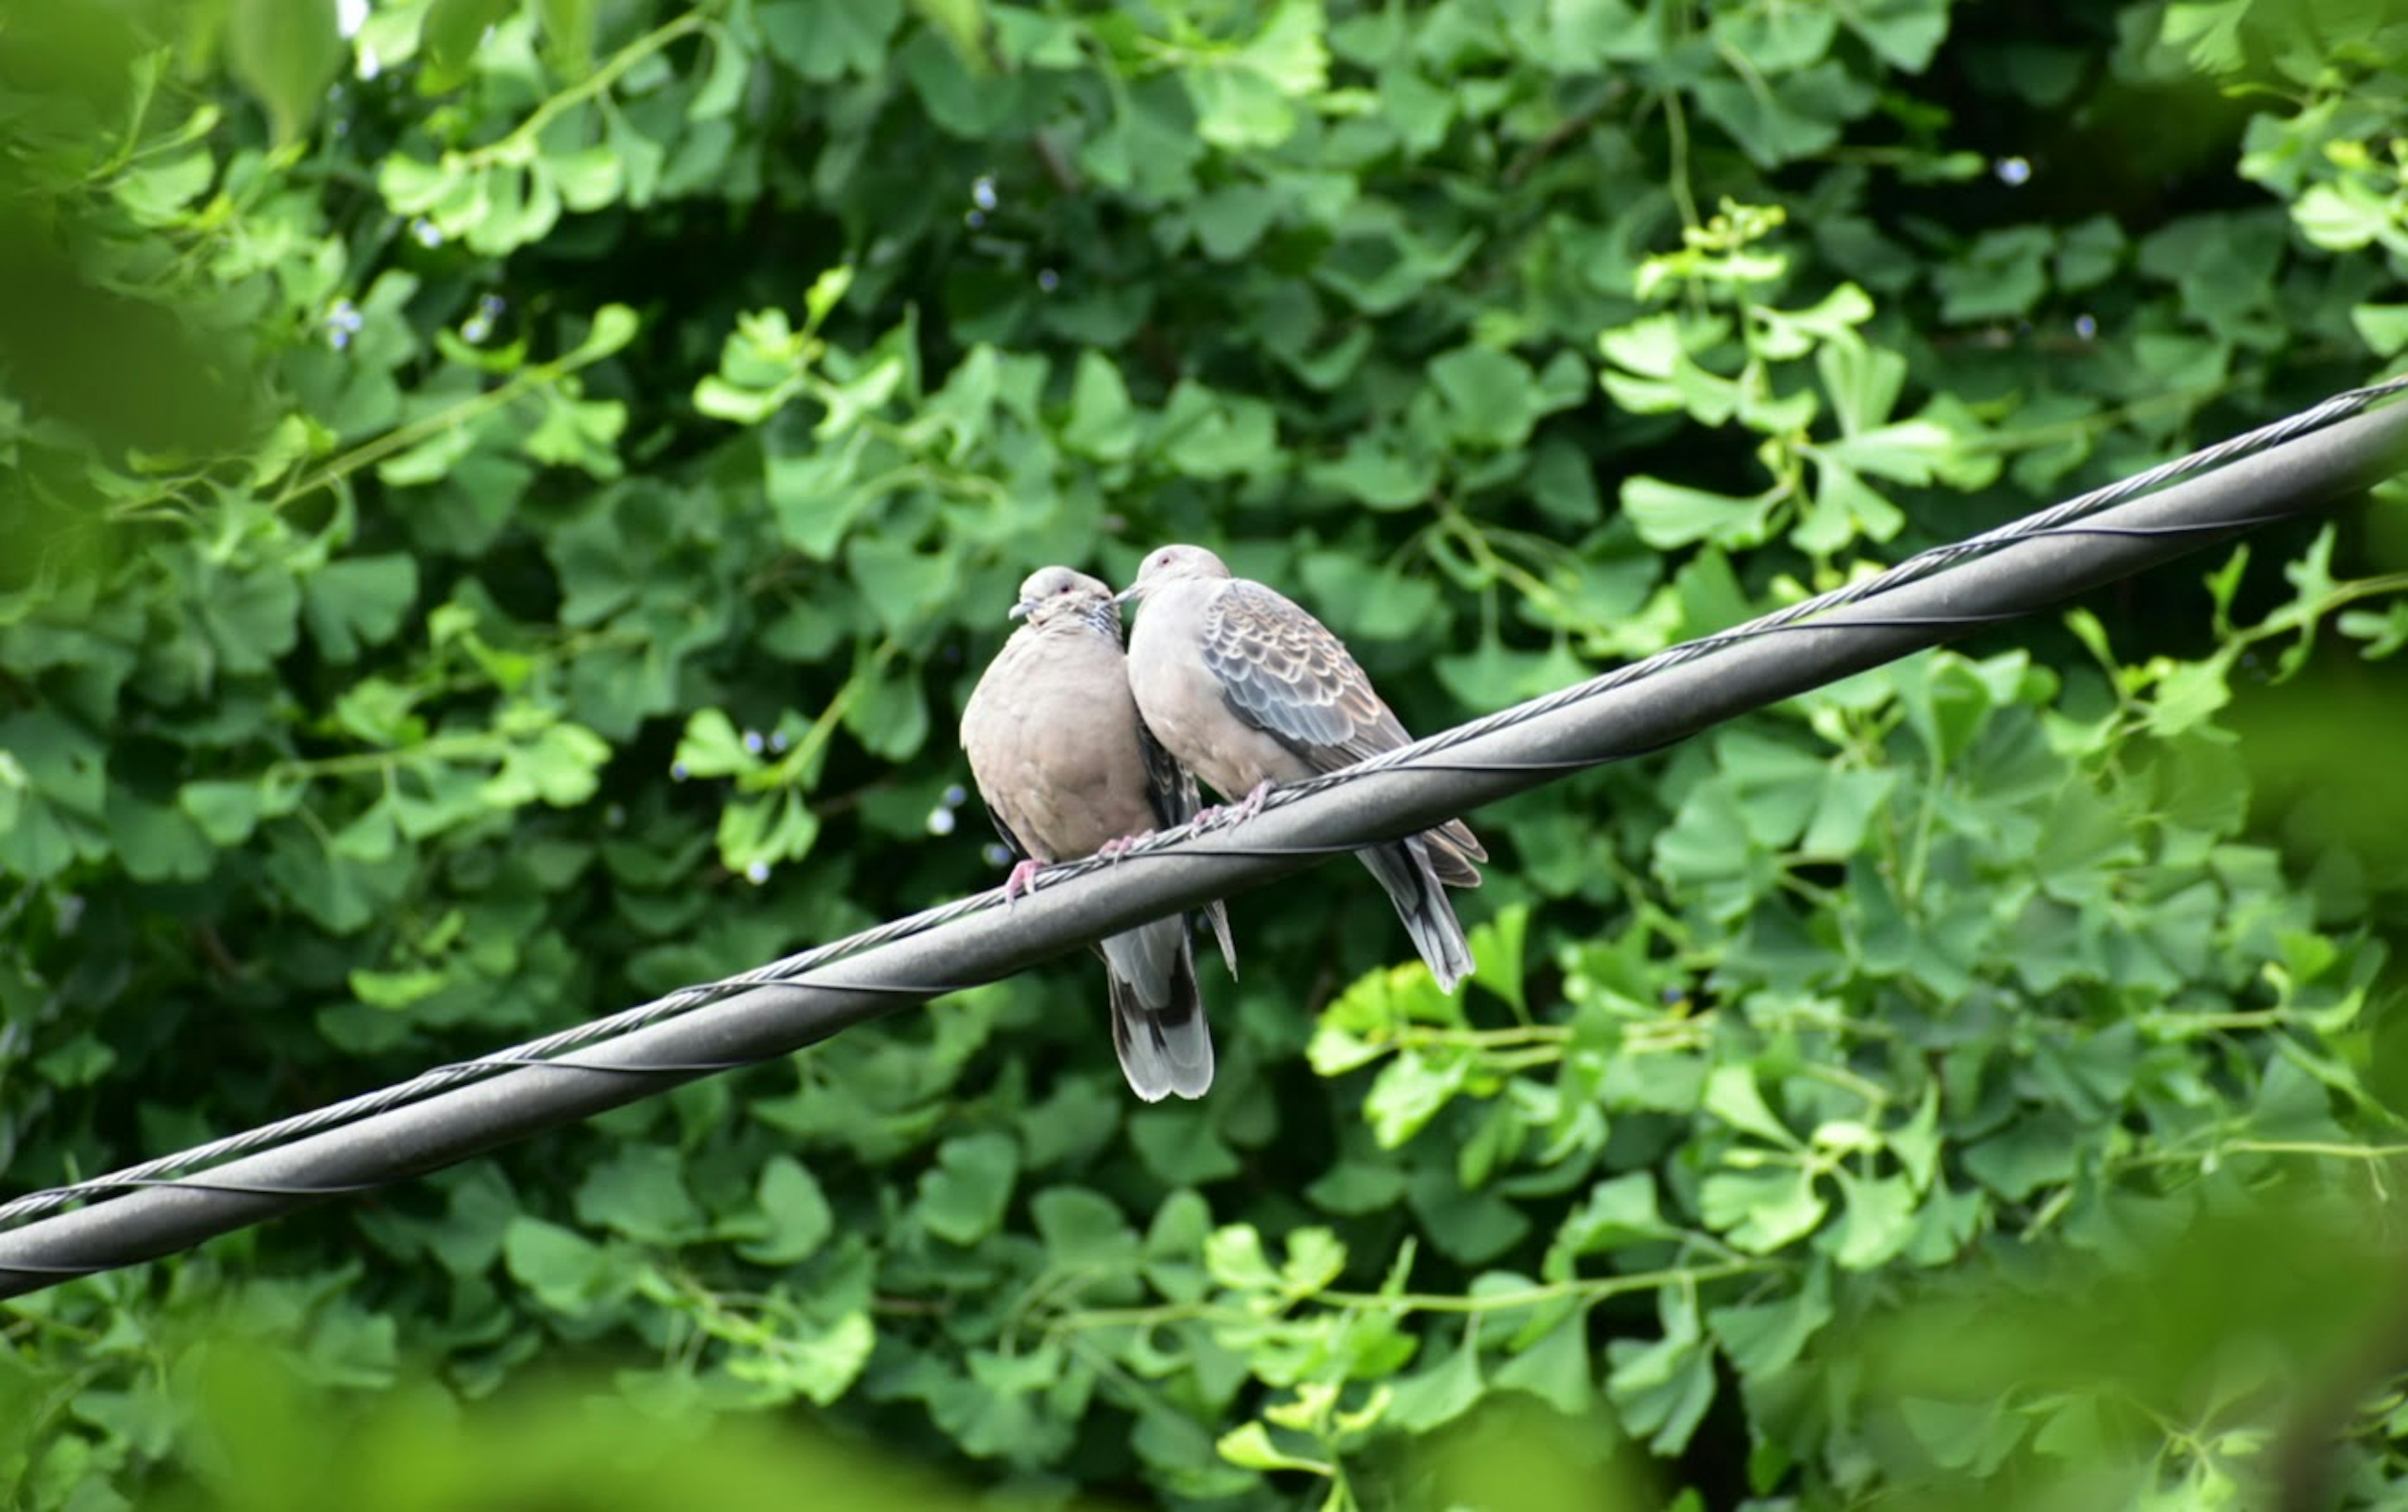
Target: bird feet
1245, 808
1022, 879
1113, 849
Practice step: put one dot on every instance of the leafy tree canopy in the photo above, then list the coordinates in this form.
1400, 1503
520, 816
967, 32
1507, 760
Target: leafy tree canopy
503, 501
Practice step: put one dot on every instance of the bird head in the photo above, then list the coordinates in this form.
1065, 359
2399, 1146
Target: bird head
1051, 593
1172, 564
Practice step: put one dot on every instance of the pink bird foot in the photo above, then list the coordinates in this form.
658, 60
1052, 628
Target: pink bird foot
1223, 813
1022, 879
1113, 849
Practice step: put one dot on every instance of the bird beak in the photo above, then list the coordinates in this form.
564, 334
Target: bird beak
1130, 593
1021, 609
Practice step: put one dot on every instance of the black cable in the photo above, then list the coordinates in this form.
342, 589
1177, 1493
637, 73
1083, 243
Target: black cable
2058, 518
453, 1112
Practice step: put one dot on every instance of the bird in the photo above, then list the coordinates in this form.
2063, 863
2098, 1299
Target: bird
1248, 690
1066, 770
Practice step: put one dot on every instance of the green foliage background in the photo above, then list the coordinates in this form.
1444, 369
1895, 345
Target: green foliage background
502, 506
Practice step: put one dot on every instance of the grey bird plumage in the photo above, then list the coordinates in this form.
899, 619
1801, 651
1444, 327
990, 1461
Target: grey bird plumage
1066, 770
1248, 690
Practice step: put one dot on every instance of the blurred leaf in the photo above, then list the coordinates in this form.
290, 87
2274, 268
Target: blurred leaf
286, 52
963, 1197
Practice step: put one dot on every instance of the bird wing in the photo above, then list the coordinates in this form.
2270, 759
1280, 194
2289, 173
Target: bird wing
1176, 799
1284, 673
1011, 841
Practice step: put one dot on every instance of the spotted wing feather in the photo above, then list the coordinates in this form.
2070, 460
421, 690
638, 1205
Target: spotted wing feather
1283, 672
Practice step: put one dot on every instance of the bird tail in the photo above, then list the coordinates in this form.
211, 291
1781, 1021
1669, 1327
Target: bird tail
1218, 918
1454, 853
1407, 869
1158, 1025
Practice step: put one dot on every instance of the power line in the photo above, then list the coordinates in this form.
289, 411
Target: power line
446, 1114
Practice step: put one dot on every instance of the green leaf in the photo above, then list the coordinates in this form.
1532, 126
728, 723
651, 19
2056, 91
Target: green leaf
1181, 1148
1440, 1393
963, 1197
560, 766
1371, 473
1208, 435
1619, 1212
1904, 33
614, 327
2189, 694
1661, 1390
1557, 1368
1314, 1259
824, 41
286, 53
1102, 424
476, 1217
2036, 1150
569, 33
249, 616
1355, 1188
1244, 100
358, 601
1960, 1434
797, 1220
1235, 1257
889, 711
1876, 1219
2383, 328
1083, 1230
227, 812
2002, 275
1732, 1096
1408, 1092
1846, 810
1671, 515
711, 747
1763, 1337
1472, 1228
755, 834
393, 991
155, 842
567, 1272
819, 1364
639, 1192
1250, 1444
1491, 396
79, 1062
454, 28
902, 585
1760, 1211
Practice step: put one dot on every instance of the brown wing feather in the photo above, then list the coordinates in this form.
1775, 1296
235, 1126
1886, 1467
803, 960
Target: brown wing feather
1282, 672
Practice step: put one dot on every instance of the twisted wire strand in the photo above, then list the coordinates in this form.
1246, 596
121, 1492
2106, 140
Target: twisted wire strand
554, 1050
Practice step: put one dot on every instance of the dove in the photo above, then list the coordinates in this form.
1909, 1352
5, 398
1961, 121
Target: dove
1248, 690
1067, 771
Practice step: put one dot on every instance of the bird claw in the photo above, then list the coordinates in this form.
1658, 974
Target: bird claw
1118, 846
1023, 878
1226, 813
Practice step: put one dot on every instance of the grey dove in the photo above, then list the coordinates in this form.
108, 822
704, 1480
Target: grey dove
1247, 690
1067, 771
